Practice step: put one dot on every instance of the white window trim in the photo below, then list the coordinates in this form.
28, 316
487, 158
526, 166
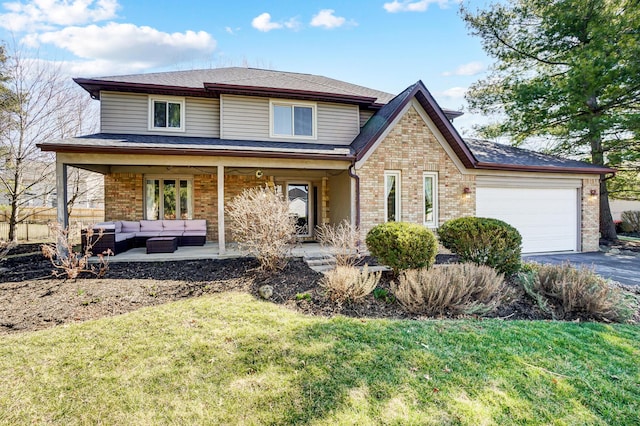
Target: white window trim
173, 100
395, 173
314, 115
190, 196
432, 223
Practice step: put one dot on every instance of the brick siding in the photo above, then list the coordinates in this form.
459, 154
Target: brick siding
412, 149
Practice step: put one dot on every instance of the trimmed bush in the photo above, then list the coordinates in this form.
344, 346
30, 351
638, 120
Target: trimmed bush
632, 218
483, 241
348, 283
262, 226
450, 289
563, 291
402, 246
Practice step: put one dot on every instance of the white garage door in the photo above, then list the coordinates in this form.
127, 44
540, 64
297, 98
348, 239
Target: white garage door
546, 218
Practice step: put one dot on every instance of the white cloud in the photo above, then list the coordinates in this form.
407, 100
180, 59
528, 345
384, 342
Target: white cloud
263, 23
416, 6
326, 19
46, 14
472, 68
454, 92
126, 46
293, 24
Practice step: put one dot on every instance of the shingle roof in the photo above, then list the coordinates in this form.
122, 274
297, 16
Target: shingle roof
195, 79
177, 145
495, 153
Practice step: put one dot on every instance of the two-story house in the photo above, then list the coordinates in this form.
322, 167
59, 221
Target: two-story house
182, 144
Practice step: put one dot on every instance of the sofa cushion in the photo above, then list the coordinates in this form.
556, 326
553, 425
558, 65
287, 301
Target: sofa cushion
118, 226
129, 226
173, 225
148, 233
195, 225
107, 226
150, 225
171, 233
123, 236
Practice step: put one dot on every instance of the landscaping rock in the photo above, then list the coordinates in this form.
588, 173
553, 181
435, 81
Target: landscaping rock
266, 291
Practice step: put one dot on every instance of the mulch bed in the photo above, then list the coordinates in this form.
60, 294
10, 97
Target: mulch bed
30, 299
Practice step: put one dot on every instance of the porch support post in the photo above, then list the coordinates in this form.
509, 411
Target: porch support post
61, 193
221, 241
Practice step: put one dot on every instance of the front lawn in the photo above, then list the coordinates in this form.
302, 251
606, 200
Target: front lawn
230, 359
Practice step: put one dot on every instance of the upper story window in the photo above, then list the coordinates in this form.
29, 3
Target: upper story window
293, 119
166, 114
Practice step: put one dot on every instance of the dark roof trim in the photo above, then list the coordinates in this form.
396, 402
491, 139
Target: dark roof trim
236, 89
95, 86
451, 135
93, 149
215, 89
420, 92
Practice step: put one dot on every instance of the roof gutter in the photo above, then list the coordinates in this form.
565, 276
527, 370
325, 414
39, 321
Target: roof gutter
551, 169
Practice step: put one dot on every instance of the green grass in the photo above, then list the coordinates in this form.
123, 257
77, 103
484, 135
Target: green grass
229, 359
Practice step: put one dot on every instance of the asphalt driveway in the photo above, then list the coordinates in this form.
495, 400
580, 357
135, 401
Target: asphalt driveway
618, 267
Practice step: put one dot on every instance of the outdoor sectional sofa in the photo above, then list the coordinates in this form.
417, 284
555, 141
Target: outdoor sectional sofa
122, 235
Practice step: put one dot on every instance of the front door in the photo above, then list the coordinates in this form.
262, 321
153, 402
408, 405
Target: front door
299, 207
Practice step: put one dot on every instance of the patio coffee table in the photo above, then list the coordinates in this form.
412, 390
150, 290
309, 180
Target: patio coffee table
162, 245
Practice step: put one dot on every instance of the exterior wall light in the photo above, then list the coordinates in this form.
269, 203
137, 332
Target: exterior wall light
466, 192
593, 192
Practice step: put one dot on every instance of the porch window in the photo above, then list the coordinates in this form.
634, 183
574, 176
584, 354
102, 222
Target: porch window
166, 114
392, 196
430, 199
168, 198
293, 119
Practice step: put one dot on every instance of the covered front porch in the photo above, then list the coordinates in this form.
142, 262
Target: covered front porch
154, 187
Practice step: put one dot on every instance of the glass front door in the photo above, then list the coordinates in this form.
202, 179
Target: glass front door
299, 207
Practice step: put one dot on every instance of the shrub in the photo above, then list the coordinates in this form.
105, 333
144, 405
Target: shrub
632, 217
455, 289
69, 263
563, 290
5, 248
262, 226
483, 241
348, 283
402, 246
625, 228
343, 240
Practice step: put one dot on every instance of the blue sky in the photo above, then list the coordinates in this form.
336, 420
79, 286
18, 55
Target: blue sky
386, 44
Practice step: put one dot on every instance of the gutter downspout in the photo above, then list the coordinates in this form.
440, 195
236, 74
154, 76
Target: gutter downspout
354, 176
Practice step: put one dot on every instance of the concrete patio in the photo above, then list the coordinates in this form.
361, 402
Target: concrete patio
209, 251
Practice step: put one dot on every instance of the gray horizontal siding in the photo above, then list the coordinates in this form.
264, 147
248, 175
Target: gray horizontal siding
129, 113
247, 118
337, 123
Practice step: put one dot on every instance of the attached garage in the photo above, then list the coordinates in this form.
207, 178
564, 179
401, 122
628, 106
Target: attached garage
545, 213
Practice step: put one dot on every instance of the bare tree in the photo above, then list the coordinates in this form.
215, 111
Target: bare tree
45, 105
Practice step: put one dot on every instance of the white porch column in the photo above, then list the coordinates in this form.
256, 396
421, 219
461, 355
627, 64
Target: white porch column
61, 193
221, 243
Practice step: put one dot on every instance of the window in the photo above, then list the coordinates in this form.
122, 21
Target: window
166, 114
293, 120
392, 196
430, 198
168, 198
